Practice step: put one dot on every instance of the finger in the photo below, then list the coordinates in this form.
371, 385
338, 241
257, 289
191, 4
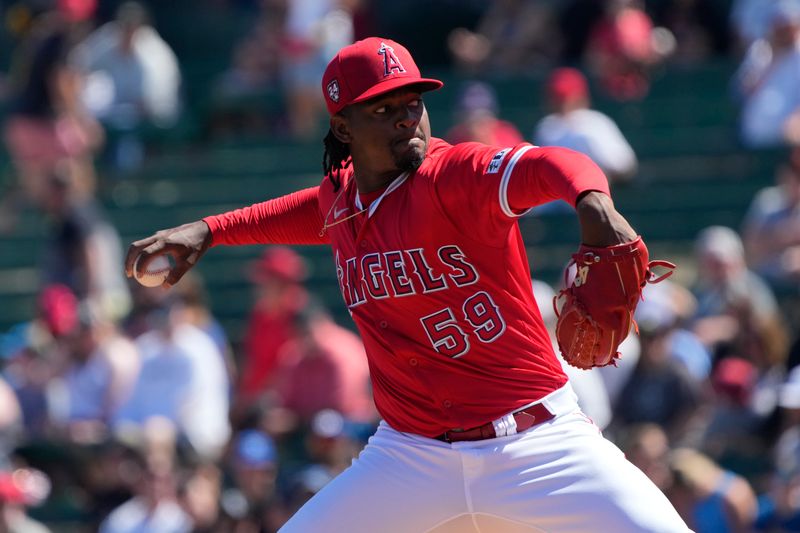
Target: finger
133, 252
193, 257
182, 266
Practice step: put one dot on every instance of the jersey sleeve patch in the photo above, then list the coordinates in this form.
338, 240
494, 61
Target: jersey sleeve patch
497, 161
505, 179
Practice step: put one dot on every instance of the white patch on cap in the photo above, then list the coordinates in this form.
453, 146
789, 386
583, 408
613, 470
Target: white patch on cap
333, 90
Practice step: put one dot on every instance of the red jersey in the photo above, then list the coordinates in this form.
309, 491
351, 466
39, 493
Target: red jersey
435, 275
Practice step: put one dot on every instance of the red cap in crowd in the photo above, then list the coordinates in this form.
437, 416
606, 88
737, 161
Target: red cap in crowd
369, 68
10, 491
567, 84
58, 307
77, 10
279, 262
26, 486
735, 378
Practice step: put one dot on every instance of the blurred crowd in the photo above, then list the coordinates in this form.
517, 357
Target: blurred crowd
147, 423
128, 409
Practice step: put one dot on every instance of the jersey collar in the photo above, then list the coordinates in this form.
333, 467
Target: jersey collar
393, 186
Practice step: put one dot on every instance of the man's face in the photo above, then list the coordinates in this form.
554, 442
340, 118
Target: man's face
390, 132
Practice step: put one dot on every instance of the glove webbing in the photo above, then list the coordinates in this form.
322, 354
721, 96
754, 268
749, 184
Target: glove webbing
648, 278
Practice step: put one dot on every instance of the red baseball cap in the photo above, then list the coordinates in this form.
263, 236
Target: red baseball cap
279, 262
58, 307
77, 10
369, 68
10, 491
567, 84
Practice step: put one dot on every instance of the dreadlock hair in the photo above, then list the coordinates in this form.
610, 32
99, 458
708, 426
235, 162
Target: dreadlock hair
335, 159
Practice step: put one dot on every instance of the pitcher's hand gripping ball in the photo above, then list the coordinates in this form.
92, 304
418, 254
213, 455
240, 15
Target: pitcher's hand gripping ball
154, 273
597, 310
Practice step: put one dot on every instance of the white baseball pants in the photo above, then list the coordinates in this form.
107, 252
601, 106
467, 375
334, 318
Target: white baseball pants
558, 476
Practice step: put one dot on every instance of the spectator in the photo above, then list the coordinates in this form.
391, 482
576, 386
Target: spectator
133, 80
512, 36
660, 390
737, 314
330, 451
192, 293
98, 377
623, 48
247, 93
725, 284
476, 112
253, 502
772, 228
84, 251
154, 506
767, 82
670, 305
47, 123
183, 380
573, 124
709, 498
19, 489
325, 368
314, 31
647, 446
733, 429
34, 361
280, 298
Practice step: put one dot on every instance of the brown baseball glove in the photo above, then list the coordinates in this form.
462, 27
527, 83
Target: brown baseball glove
597, 308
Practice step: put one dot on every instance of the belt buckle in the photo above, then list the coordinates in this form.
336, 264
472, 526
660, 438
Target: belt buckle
525, 413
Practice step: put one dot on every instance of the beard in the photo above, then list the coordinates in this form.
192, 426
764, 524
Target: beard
410, 162
411, 159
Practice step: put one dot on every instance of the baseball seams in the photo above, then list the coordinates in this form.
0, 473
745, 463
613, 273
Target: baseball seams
156, 272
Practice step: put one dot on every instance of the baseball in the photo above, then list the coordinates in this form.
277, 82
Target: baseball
157, 271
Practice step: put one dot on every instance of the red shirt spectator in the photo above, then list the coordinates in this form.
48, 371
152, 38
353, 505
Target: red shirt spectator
327, 369
621, 48
281, 297
477, 109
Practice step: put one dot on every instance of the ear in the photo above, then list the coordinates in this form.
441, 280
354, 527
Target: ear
340, 128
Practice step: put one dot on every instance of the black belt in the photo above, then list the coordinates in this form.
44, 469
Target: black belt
526, 419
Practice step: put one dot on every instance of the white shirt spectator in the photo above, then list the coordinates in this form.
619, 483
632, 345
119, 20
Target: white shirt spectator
751, 19
774, 95
183, 379
126, 87
590, 132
